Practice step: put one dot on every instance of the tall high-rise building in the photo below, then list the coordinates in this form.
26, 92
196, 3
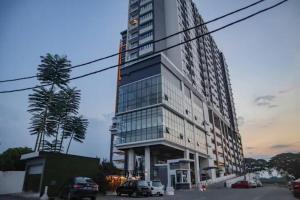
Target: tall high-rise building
174, 109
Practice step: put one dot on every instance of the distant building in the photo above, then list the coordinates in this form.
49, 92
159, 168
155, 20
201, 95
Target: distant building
173, 108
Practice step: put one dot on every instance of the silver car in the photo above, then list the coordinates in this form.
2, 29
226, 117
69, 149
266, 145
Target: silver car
157, 188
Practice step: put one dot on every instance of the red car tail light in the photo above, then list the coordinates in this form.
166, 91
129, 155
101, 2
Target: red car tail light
76, 186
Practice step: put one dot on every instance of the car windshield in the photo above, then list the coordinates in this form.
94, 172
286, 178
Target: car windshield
142, 183
83, 180
156, 183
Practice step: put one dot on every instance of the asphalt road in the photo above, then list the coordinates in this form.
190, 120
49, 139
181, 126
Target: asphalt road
264, 193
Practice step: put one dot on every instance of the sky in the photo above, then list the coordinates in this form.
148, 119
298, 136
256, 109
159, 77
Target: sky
263, 55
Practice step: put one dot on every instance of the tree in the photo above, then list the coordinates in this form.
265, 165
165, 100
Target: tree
53, 105
289, 162
10, 159
66, 105
75, 128
253, 165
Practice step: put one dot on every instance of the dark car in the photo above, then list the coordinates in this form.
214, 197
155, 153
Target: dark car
296, 187
79, 187
241, 184
134, 188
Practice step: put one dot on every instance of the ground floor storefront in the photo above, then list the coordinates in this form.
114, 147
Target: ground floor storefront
174, 167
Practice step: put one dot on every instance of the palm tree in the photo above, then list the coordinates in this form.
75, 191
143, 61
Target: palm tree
65, 105
75, 128
41, 123
54, 71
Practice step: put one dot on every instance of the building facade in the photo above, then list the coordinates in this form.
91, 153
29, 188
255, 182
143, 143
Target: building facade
173, 104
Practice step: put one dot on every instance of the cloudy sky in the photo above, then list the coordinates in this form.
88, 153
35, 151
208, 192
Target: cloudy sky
263, 55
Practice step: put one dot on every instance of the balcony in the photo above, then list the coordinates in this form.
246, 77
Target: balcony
133, 9
146, 18
133, 1
146, 29
146, 39
143, 2
148, 48
133, 36
146, 8
132, 56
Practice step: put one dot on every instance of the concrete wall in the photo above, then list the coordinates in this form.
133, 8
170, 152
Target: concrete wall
11, 181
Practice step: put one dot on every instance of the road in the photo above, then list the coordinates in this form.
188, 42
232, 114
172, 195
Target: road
264, 193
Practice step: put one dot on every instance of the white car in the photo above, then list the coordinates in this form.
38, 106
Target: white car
252, 184
258, 183
156, 188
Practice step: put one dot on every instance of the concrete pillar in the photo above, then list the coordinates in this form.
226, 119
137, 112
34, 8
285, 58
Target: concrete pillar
147, 163
197, 171
187, 154
130, 162
169, 174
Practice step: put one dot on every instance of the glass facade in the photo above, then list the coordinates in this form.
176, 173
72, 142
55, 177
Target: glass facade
158, 107
200, 140
174, 126
139, 94
172, 91
141, 125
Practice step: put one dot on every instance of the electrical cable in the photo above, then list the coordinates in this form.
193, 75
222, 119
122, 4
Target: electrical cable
137, 47
170, 47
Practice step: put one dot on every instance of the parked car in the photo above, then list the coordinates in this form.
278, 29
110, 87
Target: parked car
258, 183
134, 188
241, 184
156, 188
79, 187
252, 183
296, 187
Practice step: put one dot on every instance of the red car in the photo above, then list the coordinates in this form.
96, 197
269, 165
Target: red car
241, 184
296, 187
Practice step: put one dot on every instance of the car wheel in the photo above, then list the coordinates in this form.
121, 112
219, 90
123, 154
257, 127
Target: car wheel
69, 197
134, 194
118, 193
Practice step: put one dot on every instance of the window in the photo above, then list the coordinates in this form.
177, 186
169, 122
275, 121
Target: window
147, 46
146, 16
139, 94
166, 97
145, 25
167, 130
140, 125
147, 6
181, 136
149, 34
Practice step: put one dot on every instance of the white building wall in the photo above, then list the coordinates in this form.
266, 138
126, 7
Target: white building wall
11, 181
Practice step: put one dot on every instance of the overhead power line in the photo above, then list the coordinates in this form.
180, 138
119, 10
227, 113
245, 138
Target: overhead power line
170, 47
137, 47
